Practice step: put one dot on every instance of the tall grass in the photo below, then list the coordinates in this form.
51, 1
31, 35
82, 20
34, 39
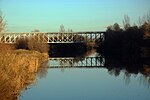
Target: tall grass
17, 71
18, 67
6, 48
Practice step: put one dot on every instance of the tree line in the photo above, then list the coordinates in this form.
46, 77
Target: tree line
127, 40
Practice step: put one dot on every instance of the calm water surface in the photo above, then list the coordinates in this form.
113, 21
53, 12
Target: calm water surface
96, 83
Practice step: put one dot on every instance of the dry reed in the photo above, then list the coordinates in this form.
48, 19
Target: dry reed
17, 70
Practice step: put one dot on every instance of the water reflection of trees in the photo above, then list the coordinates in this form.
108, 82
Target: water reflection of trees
129, 66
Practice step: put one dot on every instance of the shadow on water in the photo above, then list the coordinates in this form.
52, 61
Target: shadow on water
129, 65
67, 50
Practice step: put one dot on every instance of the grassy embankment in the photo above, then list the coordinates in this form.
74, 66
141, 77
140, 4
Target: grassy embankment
18, 67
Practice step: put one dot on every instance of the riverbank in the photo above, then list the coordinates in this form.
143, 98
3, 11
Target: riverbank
17, 70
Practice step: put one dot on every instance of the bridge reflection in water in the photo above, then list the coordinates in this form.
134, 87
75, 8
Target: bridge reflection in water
70, 62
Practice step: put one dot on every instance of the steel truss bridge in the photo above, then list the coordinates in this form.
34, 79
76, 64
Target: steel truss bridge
55, 37
88, 62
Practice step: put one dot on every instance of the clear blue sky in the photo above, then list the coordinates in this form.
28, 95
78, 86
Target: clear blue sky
79, 15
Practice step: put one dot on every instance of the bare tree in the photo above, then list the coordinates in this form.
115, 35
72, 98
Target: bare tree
148, 17
36, 30
110, 28
2, 22
62, 28
70, 30
116, 27
140, 22
146, 24
126, 22
147, 30
144, 19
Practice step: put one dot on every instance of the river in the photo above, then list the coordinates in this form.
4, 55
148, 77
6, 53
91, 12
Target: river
66, 79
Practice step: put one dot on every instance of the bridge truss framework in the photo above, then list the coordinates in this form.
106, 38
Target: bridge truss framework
55, 37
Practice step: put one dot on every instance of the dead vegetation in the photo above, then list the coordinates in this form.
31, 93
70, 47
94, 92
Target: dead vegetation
17, 71
32, 44
18, 67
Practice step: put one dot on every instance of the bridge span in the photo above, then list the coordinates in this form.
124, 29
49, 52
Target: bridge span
54, 37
